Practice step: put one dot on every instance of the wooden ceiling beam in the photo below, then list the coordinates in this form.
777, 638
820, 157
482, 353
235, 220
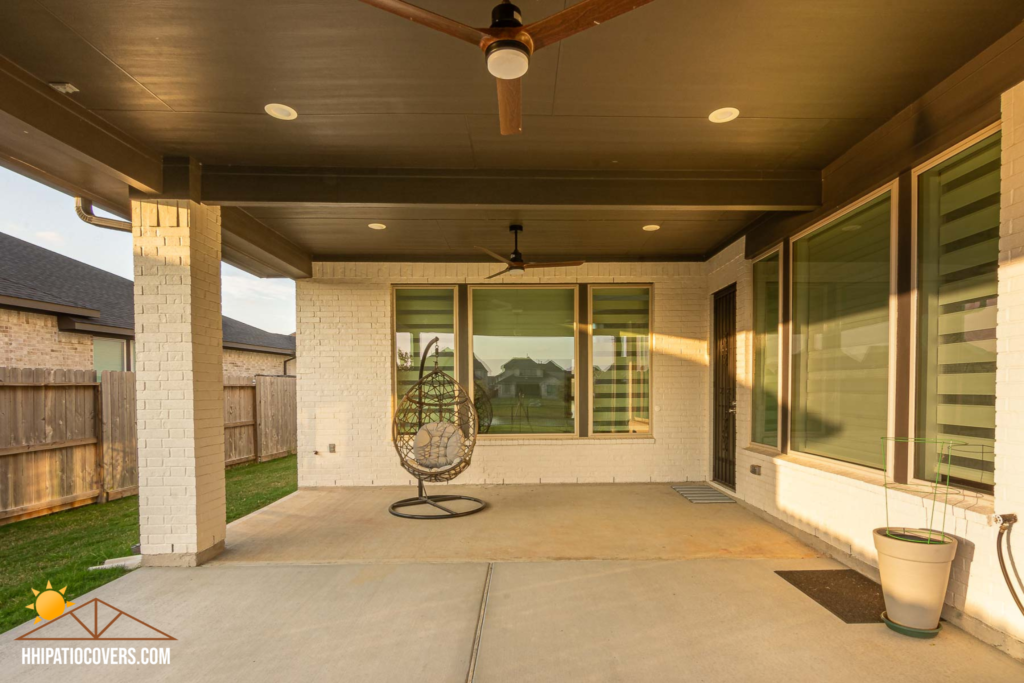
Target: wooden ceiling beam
248, 244
683, 191
35, 118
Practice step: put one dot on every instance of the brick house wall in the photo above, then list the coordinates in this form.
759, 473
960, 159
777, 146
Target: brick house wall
345, 381
249, 363
32, 340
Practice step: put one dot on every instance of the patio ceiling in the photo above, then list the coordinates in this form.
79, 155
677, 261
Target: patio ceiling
624, 105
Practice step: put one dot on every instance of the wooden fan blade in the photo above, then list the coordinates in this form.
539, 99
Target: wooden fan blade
579, 17
510, 105
501, 272
555, 264
430, 20
495, 256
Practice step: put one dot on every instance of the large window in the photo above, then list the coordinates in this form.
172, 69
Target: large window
421, 315
621, 352
958, 254
524, 353
841, 291
765, 428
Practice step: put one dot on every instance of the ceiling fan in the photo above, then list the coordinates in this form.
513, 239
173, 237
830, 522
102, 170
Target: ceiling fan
507, 43
515, 264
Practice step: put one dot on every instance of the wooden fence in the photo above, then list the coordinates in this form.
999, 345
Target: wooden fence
259, 418
67, 439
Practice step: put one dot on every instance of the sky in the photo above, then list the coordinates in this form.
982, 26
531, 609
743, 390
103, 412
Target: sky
35, 213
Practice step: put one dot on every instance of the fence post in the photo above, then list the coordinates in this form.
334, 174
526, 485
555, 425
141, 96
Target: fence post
257, 422
101, 442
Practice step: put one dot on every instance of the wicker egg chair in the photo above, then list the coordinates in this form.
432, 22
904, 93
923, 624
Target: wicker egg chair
434, 432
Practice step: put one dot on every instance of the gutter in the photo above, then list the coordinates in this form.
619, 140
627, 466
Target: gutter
83, 208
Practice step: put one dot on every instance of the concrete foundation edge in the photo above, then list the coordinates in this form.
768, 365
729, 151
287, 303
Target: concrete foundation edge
183, 559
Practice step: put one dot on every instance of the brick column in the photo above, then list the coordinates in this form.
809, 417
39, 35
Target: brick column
179, 380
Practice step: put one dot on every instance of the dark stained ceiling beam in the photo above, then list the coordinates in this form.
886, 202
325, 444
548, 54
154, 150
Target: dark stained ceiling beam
248, 244
961, 105
35, 118
685, 190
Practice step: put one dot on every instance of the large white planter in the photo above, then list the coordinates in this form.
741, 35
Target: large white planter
914, 577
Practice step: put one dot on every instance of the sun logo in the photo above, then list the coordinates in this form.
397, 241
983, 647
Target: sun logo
49, 603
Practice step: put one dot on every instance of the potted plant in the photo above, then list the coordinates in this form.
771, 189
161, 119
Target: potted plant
914, 563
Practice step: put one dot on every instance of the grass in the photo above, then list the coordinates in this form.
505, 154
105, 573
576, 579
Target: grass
61, 547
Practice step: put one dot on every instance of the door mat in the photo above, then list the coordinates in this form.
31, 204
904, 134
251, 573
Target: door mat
851, 596
699, 493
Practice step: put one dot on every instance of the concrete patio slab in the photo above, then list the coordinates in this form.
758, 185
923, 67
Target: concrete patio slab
702, 620
522, 523
342, 623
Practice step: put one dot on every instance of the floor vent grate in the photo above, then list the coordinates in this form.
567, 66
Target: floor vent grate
699, 493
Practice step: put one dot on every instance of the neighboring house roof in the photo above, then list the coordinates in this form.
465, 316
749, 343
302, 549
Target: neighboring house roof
88, 299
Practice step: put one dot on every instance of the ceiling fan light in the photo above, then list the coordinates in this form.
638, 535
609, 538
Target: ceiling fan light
507, 59
517, 272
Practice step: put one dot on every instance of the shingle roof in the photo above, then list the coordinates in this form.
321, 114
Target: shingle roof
38, 274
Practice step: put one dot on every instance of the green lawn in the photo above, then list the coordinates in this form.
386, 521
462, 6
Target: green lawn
61, 547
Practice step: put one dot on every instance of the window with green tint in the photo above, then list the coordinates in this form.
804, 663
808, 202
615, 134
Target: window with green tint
958, 255
107, 354
621, 350
766, 352
421, 315
840, 360
524, 357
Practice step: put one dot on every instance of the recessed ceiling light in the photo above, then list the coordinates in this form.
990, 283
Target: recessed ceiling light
724, 115
851, 228
377, 226
652, 228
281, 111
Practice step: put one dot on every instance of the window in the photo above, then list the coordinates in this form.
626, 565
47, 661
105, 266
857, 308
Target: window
621, 353
524, 353
766, 352
421, 315
841, 290
107, 354
958, 254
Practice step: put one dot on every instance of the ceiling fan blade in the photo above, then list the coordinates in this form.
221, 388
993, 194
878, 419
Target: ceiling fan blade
579, 17
500, 272
495, 256
510, 105
555, 264
430, 20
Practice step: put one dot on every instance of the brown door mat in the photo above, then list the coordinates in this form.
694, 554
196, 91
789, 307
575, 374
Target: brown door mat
851, 596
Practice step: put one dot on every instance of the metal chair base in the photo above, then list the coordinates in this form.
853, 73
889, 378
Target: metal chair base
423, 499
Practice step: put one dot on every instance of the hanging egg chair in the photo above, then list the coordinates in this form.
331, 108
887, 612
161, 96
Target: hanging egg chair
434, 432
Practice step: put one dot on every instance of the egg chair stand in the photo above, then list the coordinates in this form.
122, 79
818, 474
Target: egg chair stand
434, 432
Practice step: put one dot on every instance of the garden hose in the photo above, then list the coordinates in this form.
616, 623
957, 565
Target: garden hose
1006, 527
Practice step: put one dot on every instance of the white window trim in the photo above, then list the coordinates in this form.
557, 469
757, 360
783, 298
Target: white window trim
893, 189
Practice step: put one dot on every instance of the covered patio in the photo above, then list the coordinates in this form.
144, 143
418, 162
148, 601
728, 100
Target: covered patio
758, 247
553, 583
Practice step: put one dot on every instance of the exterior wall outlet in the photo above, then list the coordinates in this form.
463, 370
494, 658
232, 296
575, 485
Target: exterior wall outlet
755, 469
330, 448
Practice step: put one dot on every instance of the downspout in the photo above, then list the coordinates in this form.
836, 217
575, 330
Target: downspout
83, 207
284, 370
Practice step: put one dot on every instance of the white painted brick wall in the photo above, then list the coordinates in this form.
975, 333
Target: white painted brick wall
344, 381
179, 378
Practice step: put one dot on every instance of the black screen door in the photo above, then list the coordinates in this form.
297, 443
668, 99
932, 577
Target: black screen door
724, 388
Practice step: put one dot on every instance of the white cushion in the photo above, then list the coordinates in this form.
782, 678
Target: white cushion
437, 445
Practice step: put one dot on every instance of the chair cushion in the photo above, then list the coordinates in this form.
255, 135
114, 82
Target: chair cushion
437, 445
